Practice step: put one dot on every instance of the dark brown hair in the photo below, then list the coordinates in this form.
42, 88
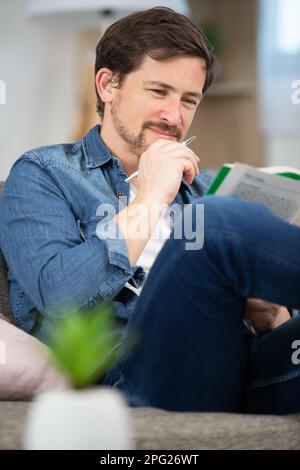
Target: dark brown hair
159, 32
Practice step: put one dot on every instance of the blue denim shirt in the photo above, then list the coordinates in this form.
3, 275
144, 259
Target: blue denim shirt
48, 213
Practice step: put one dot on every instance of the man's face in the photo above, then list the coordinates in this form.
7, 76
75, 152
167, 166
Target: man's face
157, 101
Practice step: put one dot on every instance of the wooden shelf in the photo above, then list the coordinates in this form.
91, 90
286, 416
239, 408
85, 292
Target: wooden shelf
226, 124
231, 90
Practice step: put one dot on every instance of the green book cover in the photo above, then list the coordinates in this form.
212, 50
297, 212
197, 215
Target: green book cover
287, 172
219, 178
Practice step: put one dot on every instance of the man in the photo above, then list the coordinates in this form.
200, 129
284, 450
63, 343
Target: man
152, 70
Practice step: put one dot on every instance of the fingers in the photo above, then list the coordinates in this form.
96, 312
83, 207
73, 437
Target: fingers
181, 150
189, 168
260, 305
182, 156
186, 155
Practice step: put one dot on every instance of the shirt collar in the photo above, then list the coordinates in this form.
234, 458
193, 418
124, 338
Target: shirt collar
186, 187
95, 150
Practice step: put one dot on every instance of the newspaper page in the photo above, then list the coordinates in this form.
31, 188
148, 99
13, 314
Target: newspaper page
281, 195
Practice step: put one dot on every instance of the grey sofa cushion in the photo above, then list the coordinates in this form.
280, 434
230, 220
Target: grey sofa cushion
158, 430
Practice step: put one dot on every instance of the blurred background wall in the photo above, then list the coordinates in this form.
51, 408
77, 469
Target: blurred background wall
47, 69
39, 65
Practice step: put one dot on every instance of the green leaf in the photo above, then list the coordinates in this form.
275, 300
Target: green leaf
85, 345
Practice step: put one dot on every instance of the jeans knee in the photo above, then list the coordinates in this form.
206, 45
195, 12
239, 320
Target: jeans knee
215, 219
231, 214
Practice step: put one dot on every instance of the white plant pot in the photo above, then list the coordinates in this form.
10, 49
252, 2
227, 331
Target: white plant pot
90, 419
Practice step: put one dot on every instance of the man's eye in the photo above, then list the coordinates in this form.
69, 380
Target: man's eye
159, 92
188, 101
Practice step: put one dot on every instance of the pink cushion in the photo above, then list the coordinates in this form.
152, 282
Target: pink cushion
24, 365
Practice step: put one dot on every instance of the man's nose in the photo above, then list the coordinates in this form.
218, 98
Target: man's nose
171, 112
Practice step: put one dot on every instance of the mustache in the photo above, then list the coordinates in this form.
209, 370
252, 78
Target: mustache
172, 130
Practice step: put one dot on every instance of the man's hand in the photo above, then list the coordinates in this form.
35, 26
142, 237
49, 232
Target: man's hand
161, 168
264, 316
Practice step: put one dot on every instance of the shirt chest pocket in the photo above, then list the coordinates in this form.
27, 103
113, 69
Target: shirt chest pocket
87, 228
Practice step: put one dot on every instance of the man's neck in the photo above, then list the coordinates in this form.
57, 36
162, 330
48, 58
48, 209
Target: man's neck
119, 148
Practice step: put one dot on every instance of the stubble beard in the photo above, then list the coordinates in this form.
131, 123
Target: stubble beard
136, 143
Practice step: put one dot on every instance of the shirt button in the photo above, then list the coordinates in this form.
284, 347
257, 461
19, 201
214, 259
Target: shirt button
120, 193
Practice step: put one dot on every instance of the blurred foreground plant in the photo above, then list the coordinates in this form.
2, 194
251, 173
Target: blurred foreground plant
85, 345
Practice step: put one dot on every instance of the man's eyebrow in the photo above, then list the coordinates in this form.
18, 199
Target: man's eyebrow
169, 87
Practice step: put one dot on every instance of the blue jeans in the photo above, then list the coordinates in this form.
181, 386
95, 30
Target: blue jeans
193, 350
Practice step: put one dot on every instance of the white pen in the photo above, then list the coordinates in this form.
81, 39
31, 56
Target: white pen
135, 174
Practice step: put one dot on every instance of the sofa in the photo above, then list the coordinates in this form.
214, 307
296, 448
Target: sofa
156, 429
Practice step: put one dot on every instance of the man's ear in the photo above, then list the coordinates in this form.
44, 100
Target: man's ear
105, 83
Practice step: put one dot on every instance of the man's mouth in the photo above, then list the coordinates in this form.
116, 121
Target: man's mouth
162, 134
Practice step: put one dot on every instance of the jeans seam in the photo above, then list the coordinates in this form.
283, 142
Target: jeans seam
276, 380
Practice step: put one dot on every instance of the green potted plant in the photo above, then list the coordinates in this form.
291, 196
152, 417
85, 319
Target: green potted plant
84, 416
214, 34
